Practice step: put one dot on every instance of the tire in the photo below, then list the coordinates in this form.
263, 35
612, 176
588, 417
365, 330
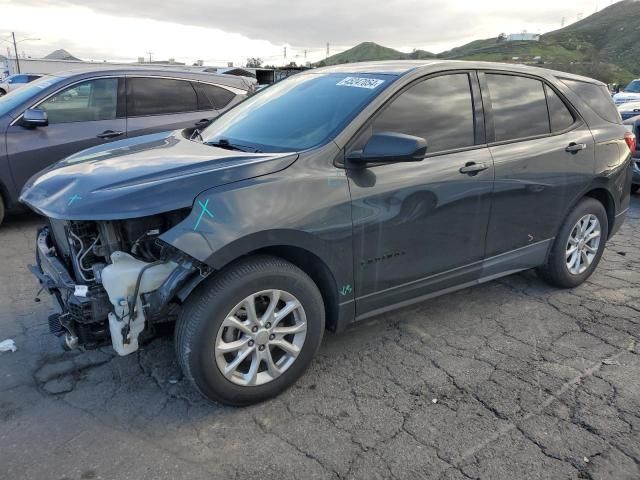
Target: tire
203, 330
556, 271
2, 92
635, 188
1, 210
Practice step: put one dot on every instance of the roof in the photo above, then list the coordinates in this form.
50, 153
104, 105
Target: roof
229, 80
402, 67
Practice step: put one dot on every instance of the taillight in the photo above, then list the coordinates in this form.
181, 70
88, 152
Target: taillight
630, 138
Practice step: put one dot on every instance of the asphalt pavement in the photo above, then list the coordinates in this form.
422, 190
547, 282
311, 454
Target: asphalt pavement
509, 380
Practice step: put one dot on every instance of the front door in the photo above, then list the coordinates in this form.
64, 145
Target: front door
80, 116
420, 227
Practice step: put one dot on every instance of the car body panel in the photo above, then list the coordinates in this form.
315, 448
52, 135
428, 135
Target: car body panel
532, 178
417, 219
140, 177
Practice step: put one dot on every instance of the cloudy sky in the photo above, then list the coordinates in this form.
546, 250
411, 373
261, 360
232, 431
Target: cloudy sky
232, 30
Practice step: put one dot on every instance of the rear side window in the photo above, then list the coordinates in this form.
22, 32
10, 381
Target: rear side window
560, 116
519, 107
439, 109
158, 96
597, 97
211, 97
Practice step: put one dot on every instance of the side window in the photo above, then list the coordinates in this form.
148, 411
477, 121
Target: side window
211, 97
439, 109
157, 96
519, 107
84, 102
597, 97
560, 116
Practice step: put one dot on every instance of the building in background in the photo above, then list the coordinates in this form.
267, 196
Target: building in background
524, 36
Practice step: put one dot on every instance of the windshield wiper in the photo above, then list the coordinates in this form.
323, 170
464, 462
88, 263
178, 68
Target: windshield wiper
224, 143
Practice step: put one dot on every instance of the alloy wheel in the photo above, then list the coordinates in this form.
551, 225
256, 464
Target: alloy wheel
261, 337
583, 244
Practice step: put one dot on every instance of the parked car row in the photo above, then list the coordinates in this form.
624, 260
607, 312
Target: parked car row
330, 197
58, 115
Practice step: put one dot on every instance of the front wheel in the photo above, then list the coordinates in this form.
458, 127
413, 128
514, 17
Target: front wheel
249, 332
578, 246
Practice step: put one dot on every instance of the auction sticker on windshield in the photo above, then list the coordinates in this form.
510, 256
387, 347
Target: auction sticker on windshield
360, 82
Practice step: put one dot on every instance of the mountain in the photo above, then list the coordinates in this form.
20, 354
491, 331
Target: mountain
366, 51
61, 54
604, 45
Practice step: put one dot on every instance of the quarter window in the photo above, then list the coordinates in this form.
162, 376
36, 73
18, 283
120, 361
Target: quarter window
519, 107
597, 97
84, 102
560, 116
438, 109
157, 96
211, 97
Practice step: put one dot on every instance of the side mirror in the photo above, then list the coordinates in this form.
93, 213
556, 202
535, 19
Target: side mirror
34, 117
386, 147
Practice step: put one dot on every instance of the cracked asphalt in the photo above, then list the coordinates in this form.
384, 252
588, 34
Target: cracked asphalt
512, 379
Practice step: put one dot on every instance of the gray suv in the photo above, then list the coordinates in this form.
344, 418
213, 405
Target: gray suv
332, 196
58, 115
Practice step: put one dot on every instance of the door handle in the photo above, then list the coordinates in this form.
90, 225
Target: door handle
575, 147
472, 168
109, 134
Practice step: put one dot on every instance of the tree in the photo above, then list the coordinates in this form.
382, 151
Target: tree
254, 62
502, 37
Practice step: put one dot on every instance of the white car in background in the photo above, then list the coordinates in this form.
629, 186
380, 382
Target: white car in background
630, 93
629, 109
16, 81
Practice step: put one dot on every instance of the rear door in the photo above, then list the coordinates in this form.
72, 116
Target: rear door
543, 155
82, 115
419, 227
156, 104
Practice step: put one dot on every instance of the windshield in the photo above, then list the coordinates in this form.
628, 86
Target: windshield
633, 87
299, 113
15, 97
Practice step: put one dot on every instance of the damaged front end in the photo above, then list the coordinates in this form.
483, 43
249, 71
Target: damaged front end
114, 281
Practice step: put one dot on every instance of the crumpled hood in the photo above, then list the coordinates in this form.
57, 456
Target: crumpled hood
141, 176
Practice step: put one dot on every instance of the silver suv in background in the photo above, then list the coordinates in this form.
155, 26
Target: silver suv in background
58, 115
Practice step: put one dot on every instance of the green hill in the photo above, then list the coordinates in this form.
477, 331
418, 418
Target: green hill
367, 51
605, 45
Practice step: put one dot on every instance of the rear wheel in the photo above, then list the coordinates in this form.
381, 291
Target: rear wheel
578, 246
1, 210
2, 92
248, 333
635, 188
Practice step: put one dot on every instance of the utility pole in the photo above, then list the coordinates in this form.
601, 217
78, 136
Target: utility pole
327, 50
149, 53
285, 54
305, 54
15, 49
562, 22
